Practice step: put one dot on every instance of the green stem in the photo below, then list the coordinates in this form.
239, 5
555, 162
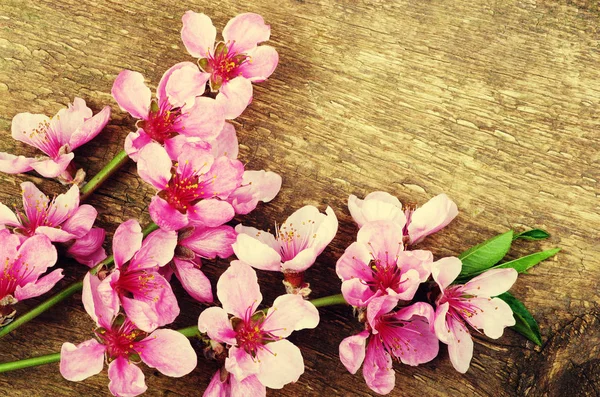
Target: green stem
190, 332
30, 362
117, 162
329, 301
62, 295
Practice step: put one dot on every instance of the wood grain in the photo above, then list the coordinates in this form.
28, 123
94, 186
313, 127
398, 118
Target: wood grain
493, 102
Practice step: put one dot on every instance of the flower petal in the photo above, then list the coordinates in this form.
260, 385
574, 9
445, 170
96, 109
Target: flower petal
51, 168
181, 84
82, 361
40, 286
280, 363
67, 121
445, 271
377, 368
193, 280
141, 314
95, 305
11, 164
492, 317
136, 141
431, 217
126, 379
131, 93
36, 254
165, 216
491, 283
352, 351
198, 34
154, 165
215, 322
460, 348
241, 364
63, 207
157, 249
7, 217
290, 313
127, 240
302, 261
238, 289
30, 129
245, 31
256, 253
210, 242
262, 63
357, 293
211, 212
235, 96
88, 250
90, 128
383, 237
204, 119
81, 221
226, 143
169, 352
354, 263
250, 386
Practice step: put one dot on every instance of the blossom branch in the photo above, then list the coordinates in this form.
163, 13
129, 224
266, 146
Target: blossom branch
115, 164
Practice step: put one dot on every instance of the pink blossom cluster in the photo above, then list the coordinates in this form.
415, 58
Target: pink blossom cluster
381, 276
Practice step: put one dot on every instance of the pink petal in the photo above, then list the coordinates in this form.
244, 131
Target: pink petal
290, 313
67, 121
174, 146
441, 328
141, 314
9, 243
352, 351
169, 352
90, 128
256, 253
7, 217
228, 175
211, 242
88, 250
35, 255
226, 143
35, 202
431, 217
82, 361
235, 96
491, 283
39, 287
64, 206
354, 263
52, 168
424, 345
281, 364
181, 84
256, 186
204, 119
377, 368
445, 271
216, 388
241, 364
250, 386
12, 164
245, 31
408, 285
54, 234
494, 315
377, 308
195, 158
238, 289
260, 235
356, 293
95, 305
460, 348
302, 261
162, 309
193, 280
157, 249
26, 127
384, 238
375, 207
262, 63
216, 323
418, 260
326, 231
154, 165
136, 141
198, 34
131, 93
82, 220
212, 212
127, 240
126, 379
165, 216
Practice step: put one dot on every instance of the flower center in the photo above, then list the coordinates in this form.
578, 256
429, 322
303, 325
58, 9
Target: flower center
384, 275
250, 333
139, 282
11, 276
292, 240
161, 123
183, 191
223, 65
120, 339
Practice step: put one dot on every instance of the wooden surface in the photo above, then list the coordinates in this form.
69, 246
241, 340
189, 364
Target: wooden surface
493, 102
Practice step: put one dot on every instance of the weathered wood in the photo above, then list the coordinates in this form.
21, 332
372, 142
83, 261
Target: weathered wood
493, 102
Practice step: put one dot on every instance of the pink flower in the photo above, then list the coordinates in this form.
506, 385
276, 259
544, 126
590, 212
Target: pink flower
21, 266
416, 223
377, 265
234, 63
196, 242
56, 137
192, 190
256, 186
122, 345
406, 335
146, 296
63, 220
473, 303
257, 339
223, 384
296, 245
178, 108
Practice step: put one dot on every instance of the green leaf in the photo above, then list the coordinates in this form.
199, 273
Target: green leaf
525, 323
522, 264
533, 234
485, 255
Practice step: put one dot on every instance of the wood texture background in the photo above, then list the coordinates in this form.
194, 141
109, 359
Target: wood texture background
494, 102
